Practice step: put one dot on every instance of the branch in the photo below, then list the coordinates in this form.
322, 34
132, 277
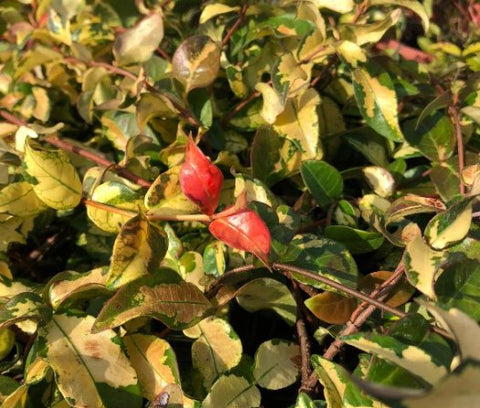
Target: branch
98, 159
460, 147
241, 17
12, 119
240, 106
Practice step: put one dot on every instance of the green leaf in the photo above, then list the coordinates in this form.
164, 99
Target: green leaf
355, 240
277, 364
138, 250
267, 293
458, 286
90, 369
450, 226
232, 391
163, 296
434, 137
322, 256
7, 386
323, 181
154, 361
196, 62
216, 350
56, 181
138, 43
377, 101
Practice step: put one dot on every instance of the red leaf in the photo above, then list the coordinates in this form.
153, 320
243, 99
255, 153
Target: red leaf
200, 180
243, 230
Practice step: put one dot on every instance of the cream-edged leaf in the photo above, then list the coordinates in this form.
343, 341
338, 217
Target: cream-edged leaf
91, 370
277, 364
414, 5
232, 391
20, 199
272, 102
213, 10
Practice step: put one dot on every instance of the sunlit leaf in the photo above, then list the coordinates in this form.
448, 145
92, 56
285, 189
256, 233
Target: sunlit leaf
196, 62
331, 307
163, 296
138, 249
212, 10
56, 181
380, 179
20, 199
232, 391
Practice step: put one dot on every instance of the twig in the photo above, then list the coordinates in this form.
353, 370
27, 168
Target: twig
12, 119
241, 17
460, 147
240, 106
352, 292
332, 61
212, 290
98, 159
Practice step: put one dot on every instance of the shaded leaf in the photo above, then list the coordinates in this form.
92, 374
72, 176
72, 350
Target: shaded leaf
138, 43
322, 180
331, 307
355, 240
398, 295
277, 364
24, 306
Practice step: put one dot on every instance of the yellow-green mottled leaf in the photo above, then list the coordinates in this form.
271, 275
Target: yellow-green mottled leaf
334, 379
57, 182
24, 306
450, 226
138, 249
118, 195
20, 199
340, 6
59, 27
165, 197
215, 9
231, 391
267, 293
217, 348
255, 190
331, 307
277, 364
362, 34
10, 288
151, 106
411, 358
69, 284
414, 5
190, 266
273, 104
380, 179
138, 43
196, 62
351, 53
291, 76
299, 123
7, 341
422, 264
312, 48
411, 204
154, 361
91, 370
377, 101
163, 296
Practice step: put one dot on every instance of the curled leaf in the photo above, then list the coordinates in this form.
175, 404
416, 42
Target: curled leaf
200, 180
243, 230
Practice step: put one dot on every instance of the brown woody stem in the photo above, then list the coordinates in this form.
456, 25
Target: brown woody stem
241, 17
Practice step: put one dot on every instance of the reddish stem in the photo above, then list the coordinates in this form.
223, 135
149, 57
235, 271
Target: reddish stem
241, 17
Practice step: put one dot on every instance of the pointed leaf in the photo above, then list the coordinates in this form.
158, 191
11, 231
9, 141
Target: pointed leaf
25, 306
90, 369
57, 182
139, 248
243, 230
322, 180
377, 101
213, 10
196, 62
414, 5
154, 361
200, 179
163, 296
138, 43
20, 199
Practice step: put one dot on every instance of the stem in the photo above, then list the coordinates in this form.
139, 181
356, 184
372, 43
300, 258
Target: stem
109, 208
241, 17
240, 106
352, 292
460, 147
239, 270
12, 119
98, 159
